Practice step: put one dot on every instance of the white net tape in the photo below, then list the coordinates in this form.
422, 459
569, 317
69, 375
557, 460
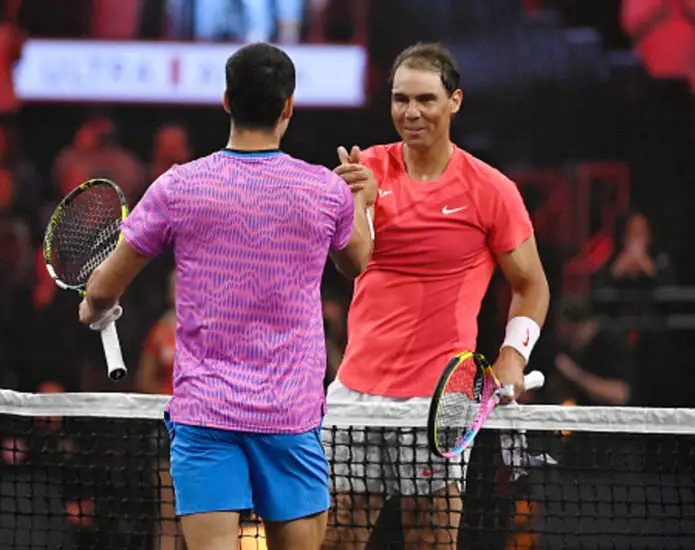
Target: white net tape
389, 415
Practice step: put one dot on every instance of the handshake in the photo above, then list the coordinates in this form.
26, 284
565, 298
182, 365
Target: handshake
359, 178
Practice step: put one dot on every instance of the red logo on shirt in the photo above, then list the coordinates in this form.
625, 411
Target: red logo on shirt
429, 473
528, 338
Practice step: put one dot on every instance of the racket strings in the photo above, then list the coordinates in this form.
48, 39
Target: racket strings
85, 233
458, 406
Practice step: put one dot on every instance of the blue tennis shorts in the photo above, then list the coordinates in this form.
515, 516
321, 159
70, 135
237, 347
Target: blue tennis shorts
280, 477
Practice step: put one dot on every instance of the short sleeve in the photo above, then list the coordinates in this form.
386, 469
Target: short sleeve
345, 216
372, 160
510, 221
148, 229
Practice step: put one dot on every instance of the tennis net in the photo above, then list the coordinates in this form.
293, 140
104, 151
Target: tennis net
89, 471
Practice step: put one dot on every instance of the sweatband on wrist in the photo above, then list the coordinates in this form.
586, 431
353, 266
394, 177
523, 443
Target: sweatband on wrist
522, 334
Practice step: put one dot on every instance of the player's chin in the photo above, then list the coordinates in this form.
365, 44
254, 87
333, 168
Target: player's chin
416, 139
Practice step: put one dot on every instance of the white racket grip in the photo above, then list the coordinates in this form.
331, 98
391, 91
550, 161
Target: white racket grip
534, 380
112, 350
111, 316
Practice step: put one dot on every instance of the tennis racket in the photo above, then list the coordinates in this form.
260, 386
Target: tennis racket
82, 232
467, 392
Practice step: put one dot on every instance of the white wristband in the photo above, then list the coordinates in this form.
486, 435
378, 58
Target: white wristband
522, 334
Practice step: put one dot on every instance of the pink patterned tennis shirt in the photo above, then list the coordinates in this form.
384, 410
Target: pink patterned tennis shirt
251, 233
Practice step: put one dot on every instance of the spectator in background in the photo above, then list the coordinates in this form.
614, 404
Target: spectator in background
156, 366
96, 151
20, 184
171, 146
638, 264
638, 267
592, 365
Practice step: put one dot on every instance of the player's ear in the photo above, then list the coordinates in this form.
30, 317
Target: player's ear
288, 109
455, 101
225, 103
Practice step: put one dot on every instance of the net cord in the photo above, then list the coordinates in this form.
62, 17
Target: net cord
389, 415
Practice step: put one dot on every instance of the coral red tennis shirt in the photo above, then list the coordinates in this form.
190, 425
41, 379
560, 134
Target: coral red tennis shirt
417, 303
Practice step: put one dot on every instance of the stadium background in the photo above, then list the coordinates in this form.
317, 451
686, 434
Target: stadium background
587, 104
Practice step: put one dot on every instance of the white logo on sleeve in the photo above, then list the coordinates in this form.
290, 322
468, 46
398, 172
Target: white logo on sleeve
446, 211
384, 193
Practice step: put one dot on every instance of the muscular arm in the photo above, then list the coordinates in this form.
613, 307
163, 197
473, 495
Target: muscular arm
530, 292
353, 259
110, 279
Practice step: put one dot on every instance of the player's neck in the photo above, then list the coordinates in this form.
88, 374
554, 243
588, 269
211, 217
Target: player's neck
428, 164
253, 140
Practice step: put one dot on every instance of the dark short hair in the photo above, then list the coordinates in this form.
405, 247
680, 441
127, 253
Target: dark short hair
431, 57
260, 79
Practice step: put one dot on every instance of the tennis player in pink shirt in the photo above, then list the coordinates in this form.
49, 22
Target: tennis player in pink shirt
251, 228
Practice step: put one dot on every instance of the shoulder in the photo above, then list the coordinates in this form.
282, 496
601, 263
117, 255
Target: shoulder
484, 178
382, 152
307, 170
379, 158
196, 168
323, 185
319, 179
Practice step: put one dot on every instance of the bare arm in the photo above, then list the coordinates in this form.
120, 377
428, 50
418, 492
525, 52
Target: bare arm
530, 292
353, 259
110, 279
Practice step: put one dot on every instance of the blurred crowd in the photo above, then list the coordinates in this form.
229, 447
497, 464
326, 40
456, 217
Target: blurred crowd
32, 304
594, 363
282, 21
588, 355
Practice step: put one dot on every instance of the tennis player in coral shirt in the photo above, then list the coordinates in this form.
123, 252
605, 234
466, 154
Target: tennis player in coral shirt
443, 221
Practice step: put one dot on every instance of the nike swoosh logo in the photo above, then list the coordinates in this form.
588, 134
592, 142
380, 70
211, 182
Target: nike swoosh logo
446, 211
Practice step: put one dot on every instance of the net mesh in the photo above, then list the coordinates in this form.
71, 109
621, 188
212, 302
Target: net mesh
89, 471
83, 233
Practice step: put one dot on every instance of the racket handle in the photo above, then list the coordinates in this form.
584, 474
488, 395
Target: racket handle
534, 380
112, 350
112, 346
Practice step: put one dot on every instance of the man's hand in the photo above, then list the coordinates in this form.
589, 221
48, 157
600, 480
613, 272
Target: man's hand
509, 369
356, 175
87, 314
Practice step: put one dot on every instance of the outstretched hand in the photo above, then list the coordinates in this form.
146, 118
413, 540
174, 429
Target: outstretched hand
358, 177
349, 158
